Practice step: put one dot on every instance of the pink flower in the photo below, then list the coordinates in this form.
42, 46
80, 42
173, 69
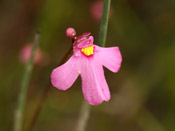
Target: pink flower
40, 58
96, 10
88, 61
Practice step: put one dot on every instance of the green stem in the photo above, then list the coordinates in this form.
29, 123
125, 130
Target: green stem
148, 122
85, 110
104, 23
44, 95
84, 115
24, 85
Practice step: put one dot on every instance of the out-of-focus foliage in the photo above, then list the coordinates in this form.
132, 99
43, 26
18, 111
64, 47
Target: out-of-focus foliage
142, 92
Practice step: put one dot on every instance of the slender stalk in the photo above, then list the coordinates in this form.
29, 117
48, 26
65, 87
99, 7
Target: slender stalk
84, 116
44, 95
39, 107
104, 23
148, 122
24, 85
85, 110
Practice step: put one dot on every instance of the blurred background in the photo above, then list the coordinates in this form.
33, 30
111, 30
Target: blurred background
142, 92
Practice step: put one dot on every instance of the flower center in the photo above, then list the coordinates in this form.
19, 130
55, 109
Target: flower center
88, 50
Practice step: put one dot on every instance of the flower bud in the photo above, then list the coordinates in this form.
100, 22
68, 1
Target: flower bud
70, 33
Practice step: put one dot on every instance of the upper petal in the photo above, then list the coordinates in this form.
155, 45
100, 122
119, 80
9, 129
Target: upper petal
64, 76
109, 57
94, 86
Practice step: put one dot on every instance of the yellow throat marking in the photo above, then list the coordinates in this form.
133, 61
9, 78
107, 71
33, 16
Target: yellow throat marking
88, 50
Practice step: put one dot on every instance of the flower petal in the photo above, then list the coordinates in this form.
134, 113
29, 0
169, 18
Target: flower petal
94, 86
64, 76
109, 57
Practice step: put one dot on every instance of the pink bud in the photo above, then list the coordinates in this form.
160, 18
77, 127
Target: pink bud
96, 10
70, 33
40, 58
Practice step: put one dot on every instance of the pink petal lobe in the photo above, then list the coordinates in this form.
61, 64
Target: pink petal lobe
65, 75
94, 86
109, 57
